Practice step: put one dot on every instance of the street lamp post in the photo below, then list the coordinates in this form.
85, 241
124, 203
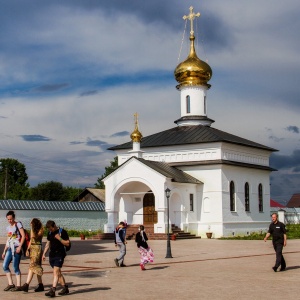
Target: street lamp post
169, 253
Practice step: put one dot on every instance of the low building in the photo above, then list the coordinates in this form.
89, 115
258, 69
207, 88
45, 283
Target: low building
91, 195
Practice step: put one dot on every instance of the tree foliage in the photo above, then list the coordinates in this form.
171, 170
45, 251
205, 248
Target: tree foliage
53, 191
108, 170
71, 193
48, 191
13, 180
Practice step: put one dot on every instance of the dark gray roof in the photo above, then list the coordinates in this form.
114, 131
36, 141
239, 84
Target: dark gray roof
50, 205
175, 174
182, 135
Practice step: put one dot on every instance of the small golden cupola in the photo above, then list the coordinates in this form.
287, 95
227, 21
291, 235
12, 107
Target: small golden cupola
193, 71
136, 138
136, 135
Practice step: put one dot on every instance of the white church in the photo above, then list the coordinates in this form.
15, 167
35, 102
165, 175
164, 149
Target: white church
218, 182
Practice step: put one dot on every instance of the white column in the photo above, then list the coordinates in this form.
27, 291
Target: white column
112, 220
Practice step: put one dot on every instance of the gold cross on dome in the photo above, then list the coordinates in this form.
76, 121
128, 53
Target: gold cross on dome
136, 118
191, 17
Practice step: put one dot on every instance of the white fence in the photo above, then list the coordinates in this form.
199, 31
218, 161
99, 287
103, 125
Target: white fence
291, 215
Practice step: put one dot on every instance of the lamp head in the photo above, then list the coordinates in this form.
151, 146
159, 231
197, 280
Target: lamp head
168, 192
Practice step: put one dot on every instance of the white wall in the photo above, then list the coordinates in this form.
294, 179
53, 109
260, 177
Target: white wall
77, 220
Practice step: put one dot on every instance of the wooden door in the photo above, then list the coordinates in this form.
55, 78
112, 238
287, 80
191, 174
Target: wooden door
150, 215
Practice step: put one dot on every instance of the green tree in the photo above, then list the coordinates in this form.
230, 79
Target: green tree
71, 193
48, 191
13, 180
108, 170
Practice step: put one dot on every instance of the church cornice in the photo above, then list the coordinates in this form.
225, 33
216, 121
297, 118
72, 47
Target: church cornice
221, 162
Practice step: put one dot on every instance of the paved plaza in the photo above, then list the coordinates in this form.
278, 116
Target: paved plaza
200, 269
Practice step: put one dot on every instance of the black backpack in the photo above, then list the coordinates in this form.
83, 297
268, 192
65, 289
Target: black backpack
67, 248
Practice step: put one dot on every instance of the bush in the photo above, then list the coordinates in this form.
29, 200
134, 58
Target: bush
251, 236
292, 232
77, 233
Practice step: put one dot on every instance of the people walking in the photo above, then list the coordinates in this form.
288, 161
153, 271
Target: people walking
278, 232
57, 240
120, 242
146, 253
13, 251
34, 251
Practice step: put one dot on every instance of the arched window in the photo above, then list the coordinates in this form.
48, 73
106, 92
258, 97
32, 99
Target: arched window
205, 104
247, 201
188, 104
232, 196
260, 198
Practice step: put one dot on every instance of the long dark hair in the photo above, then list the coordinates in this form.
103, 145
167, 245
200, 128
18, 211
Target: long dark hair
37, 226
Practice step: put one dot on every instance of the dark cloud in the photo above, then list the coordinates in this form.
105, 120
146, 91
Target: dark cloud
294, 129
95, 143
121, 133
2, 117
76, 143
292, 161
275, 139
283, 186
35, 138
47, 88
88, 93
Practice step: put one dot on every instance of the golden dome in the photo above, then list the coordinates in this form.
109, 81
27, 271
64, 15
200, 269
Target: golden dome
193, 71
136, 135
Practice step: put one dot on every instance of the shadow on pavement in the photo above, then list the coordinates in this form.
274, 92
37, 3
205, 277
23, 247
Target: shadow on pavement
157, 268
292, 268
88, 290
89, 274
88, 247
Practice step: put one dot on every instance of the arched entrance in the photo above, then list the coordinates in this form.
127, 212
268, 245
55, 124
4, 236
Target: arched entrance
150, 215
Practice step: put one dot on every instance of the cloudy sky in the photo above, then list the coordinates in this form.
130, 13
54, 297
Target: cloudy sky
73, 72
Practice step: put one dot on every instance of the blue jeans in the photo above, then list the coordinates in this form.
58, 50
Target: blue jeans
15, 259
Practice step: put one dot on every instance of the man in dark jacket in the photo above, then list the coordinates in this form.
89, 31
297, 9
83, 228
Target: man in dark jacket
278, 232
120, 242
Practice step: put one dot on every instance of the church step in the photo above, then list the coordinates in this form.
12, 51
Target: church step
149, 229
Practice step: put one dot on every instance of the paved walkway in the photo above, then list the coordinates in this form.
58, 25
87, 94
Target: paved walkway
200, 269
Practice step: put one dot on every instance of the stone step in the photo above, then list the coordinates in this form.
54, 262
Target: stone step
133, 229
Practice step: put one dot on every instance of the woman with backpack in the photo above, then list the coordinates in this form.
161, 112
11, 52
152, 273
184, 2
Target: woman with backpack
13, 251
34, 251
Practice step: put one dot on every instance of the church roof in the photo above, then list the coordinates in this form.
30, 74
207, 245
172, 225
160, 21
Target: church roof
294, 201
274, 203
183, 135
175, 174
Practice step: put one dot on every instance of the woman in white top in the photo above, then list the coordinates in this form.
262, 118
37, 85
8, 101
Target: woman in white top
13, 251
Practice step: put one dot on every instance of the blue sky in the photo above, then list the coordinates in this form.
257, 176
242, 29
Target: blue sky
73, 73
